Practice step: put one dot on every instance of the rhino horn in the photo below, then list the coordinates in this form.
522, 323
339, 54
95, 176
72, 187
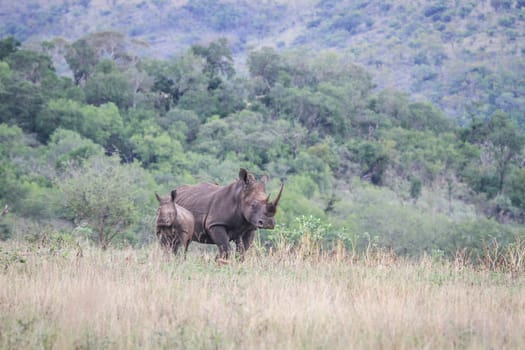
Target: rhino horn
158, 197
278, 196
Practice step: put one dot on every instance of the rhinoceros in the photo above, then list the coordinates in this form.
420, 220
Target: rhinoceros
229, 213
174, 224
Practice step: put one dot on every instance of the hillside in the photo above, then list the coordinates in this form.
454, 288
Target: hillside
464, 56
93, 121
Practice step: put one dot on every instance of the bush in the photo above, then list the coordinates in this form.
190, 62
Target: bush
308, 236
475, 236
105, 195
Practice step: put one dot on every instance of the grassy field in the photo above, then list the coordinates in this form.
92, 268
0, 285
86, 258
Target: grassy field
70, 298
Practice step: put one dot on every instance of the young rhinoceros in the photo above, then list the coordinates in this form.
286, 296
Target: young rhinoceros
174, 224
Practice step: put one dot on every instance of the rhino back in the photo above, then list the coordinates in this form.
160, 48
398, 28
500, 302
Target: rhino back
196, 199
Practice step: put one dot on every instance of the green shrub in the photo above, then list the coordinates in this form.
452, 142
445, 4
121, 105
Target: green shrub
105, 195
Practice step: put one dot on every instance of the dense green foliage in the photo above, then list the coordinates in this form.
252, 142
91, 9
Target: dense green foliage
104, 196
360, 165
464, 56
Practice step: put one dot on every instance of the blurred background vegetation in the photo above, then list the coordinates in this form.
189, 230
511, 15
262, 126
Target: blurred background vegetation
397, 124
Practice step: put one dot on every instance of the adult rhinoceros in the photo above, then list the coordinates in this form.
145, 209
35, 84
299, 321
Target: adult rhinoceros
229, 213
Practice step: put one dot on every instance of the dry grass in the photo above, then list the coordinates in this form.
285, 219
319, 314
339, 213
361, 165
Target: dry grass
139, 298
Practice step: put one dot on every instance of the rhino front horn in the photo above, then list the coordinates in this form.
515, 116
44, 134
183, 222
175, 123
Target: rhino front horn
278, 196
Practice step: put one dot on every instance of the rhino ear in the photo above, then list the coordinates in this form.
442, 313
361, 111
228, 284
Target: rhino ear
158, 197
243, 174
173, 195
246, 176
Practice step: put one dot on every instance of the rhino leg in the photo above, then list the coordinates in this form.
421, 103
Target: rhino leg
244, 242
175, 246
248, 238
239, 247
186, 245
185, 240
220, 237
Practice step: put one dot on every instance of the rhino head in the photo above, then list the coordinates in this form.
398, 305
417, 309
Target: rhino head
255, 204
166, 213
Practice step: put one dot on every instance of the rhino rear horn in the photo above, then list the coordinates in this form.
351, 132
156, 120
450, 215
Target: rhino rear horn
278, 196
158, 197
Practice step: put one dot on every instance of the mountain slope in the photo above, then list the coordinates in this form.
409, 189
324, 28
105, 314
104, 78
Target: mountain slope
465, 56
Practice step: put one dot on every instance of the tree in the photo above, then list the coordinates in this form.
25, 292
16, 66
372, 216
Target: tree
31, 66
8, 46
5, 75
246, 134
420, 153
265, 64
501, 142
184, 121
515, 190
505, 141
101, 123
108, 84
140, 82
67, 147
153, 145
373, 159
173, 79
108, 45
82, 59
61, 113
20, 103
11, 145
218, 59
321, 111
393, 104
96, 123
415, 188
425, 116
104, 195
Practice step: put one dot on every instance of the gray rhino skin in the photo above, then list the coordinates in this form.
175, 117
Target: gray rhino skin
229, 213
174, 224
